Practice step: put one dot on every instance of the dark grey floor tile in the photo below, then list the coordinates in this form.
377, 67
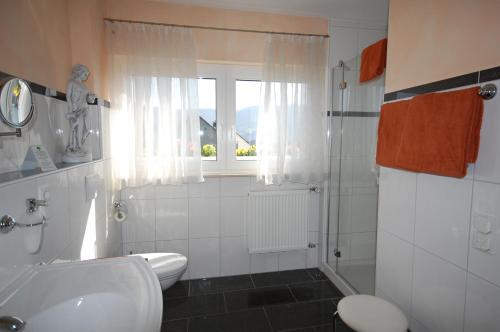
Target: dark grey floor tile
242, 321
280, 278
307, 329
183, 307
300, 315
258, 297
315, 290
217, 285
316, 274
341, 327
179, 289
175, 326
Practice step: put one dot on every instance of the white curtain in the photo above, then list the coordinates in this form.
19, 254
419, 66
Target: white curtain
154, 99
291, 125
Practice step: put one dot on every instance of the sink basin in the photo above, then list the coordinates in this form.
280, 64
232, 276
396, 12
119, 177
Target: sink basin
115, 294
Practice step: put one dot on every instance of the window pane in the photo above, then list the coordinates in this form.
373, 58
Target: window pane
247, 111
208, 118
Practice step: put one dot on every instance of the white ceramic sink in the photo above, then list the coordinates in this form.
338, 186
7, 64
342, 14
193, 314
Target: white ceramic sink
112, 295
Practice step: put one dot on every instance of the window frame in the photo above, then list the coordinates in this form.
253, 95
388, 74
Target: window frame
226, 76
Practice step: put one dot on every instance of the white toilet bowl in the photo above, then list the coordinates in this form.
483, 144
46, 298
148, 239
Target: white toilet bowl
169, 267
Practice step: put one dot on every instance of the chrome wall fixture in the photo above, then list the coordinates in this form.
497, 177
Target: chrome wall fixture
7, 224
32, 205
487, 91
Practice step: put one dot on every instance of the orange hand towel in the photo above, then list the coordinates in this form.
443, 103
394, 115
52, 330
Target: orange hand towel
393, 117
435, 133
373, 60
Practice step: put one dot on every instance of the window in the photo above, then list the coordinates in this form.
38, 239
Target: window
247, 111
229, 98
208, 118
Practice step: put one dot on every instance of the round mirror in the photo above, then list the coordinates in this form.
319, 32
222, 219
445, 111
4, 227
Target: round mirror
16, 103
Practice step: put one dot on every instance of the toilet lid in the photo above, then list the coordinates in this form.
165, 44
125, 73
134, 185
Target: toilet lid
166, 264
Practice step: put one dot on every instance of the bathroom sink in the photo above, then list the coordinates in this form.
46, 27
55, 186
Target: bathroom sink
115, 294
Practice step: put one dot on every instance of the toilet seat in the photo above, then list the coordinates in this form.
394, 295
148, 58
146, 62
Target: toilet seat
166, 265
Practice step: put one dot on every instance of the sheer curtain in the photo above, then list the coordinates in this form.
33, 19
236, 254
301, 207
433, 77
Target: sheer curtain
154, 99
291, 125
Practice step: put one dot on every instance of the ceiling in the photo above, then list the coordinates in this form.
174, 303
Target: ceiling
365, 10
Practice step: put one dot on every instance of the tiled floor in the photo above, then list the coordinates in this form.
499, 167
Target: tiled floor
297, 300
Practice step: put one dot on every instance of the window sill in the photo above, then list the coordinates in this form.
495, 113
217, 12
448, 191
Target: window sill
228, 174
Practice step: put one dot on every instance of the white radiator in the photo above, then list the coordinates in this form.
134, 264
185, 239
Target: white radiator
277, 220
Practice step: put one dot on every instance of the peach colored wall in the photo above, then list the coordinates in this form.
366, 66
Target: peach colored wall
88, 41
42, 39
35, 41
430, 40
217, 45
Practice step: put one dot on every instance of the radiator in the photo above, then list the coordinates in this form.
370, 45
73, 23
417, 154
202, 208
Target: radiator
277, 220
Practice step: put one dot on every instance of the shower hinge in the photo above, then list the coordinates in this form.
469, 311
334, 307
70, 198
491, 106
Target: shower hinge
337, 253
342, 85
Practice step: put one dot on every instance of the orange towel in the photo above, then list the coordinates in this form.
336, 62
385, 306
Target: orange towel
373, 59
435, 133
393, 117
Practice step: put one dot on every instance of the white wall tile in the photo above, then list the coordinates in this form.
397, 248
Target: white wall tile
233, 216
204, 257
344, 44
80, 208
485, 208
204, 218
234, 186
138, 247
363, 246
397, 194
482, 310
234, 256
140, 224
438, 297
171, 219
143, 192
442, 216
57, 213
292, 260
364, 213
209, 188
488, 162
171, 191
395, 269
13, 204
263, 262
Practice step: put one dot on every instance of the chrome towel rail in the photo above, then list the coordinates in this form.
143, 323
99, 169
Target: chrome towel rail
7, 223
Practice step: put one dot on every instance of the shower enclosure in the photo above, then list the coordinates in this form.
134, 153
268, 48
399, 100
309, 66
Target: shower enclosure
353, 181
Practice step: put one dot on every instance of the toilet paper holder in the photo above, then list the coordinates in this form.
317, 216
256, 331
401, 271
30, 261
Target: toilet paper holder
7, 223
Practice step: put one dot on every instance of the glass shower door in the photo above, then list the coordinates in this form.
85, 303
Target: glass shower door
353, 177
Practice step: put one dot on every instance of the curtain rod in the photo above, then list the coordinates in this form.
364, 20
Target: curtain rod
219, 29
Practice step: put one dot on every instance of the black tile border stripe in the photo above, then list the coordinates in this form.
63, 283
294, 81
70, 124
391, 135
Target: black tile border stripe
449, 83
481, 76
489, 74
357, 114
48, 92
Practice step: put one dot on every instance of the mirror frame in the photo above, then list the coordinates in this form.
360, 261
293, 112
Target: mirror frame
32, 108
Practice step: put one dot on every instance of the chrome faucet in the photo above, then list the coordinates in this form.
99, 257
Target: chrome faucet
11, 323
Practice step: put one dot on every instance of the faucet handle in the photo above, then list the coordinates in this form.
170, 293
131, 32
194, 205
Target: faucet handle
11, 323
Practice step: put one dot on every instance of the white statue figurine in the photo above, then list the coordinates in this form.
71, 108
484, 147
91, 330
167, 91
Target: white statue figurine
78, 97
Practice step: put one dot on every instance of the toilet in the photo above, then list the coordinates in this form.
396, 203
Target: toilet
169, 267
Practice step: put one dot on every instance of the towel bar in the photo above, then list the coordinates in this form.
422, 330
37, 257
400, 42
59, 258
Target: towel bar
487, 91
